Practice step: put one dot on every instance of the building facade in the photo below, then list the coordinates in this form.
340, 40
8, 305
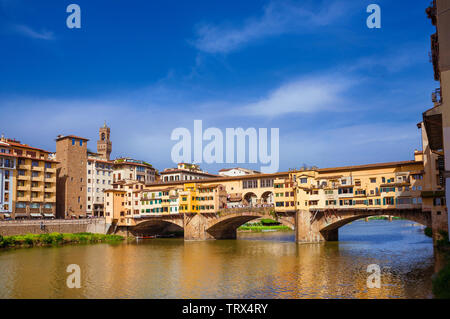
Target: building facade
71, 154
436, 120
7, 172
184, 172
378, 186
237, 171
99, 178
127, 169
28, 181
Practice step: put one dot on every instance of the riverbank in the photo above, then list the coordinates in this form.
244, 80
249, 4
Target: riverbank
263, 225
263, 228
30, 240
441, 281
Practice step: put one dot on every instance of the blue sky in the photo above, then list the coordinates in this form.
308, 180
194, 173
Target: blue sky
340, 93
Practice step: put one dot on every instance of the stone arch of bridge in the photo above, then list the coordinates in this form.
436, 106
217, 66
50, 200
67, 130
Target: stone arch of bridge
332, 222
157, 226
226, 226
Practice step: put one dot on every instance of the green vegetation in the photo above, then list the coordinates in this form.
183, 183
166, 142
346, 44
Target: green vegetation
262, 228
428, 232
262, 225
383, 218
30, 240
441, 282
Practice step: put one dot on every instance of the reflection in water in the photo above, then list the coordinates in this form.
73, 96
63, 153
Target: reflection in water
262, 265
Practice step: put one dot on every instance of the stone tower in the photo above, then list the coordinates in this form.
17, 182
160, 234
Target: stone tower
71, 172
104, 145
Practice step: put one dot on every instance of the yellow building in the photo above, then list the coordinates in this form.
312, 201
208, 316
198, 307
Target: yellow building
33, 187
374, 186
201, 198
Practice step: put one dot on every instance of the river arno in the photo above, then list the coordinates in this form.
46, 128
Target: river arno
257, 265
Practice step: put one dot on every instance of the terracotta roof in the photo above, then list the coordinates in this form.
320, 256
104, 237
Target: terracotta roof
177, 170
369, 166
71, 136
100, 160
27, 147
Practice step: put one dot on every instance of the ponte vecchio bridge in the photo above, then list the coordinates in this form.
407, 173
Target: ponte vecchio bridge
314, 203
309, 226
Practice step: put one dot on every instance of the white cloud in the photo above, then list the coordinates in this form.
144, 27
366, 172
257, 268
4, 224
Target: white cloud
350, 144
307, 95
277, 18
29, 32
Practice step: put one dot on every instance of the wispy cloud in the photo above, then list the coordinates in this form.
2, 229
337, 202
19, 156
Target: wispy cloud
29, 32
306, 95
277, 18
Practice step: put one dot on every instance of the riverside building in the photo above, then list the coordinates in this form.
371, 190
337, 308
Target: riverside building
436, 120
28, 177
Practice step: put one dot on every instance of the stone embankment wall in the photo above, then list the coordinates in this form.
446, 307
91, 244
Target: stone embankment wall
22, 227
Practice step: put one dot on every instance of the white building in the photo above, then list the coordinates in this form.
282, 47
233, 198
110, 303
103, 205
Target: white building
99, 179
237, 171
184, 172
127, 169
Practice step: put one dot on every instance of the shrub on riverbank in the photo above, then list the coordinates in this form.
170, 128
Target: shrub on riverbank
428, 232
441, 283
259, 228
29, 240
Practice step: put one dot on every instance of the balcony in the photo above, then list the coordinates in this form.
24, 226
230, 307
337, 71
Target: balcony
38, 199
24, 198
23, 177
37, 189
51, 199
50, 170
50, 179
23, 188
37, 168
37, 179
24, 167
50, 189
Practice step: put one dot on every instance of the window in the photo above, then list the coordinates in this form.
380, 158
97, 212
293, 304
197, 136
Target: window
303, 180
73, 141
81, 143
266, 183
250, 184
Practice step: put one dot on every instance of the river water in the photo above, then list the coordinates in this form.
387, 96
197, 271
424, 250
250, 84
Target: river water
256, 265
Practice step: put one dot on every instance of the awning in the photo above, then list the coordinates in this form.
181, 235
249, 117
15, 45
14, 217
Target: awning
137, 216
35, 215
49, 215
7, 215
21, 215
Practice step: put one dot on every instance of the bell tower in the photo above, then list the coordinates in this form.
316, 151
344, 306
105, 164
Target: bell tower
104, 145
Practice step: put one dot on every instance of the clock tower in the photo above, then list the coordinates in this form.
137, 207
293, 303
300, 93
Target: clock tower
104, 145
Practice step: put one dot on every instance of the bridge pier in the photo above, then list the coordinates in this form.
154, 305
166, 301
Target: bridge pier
124, 231
305, 232
195, 227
